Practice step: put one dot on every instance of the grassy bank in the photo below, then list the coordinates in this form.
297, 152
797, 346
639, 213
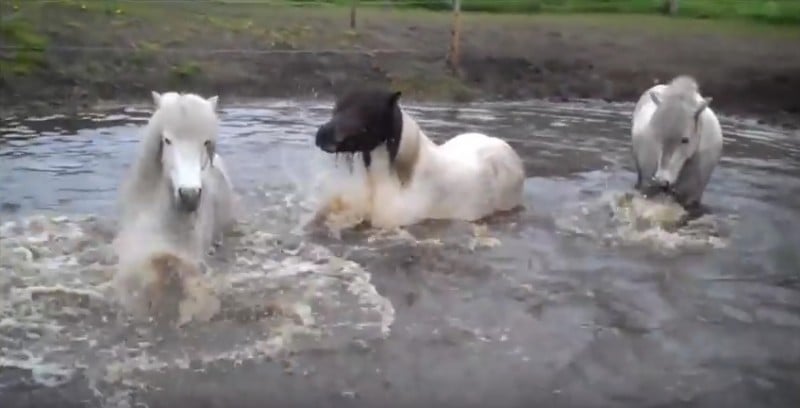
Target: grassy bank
72, 53
770, 11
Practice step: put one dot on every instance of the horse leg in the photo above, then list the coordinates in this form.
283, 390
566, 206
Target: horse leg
205, 230
638, 185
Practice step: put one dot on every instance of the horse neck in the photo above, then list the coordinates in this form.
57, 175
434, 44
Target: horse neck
412, 141
177, 221
178, 226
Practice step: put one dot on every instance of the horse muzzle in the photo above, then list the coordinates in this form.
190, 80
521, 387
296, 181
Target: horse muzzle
657, 186
325, 139
189, 198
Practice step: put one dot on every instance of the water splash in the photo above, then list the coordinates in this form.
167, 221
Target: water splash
60, 317
617, 218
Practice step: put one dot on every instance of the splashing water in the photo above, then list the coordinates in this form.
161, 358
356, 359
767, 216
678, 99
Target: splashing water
631, 219
60, 316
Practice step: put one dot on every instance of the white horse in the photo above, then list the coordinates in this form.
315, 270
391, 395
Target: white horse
676, 141
407, 177
177, 198
178, 184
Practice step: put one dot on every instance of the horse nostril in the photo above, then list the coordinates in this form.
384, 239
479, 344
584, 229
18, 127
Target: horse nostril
189, 197
325, 139
188, 192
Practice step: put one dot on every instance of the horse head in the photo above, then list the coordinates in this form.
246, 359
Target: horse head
184, 141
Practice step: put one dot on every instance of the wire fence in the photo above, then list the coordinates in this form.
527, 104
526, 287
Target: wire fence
20, 38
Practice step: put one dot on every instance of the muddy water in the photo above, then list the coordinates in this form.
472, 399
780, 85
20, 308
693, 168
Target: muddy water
580, 300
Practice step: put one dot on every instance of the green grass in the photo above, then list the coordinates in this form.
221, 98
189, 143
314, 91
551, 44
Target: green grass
323, 24
187, 70
16, 31
770, 11
139, 35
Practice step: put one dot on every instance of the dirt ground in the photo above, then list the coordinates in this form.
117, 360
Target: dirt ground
240, 51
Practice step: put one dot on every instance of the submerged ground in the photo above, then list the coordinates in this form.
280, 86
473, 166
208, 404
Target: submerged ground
118, 51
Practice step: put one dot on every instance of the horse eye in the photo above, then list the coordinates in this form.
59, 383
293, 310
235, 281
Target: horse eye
167, 141
685, 140
207, 143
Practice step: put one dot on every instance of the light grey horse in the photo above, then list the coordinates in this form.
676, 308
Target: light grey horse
178, 187
677, 141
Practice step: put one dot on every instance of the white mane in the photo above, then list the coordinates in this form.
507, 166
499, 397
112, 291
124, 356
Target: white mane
682, 86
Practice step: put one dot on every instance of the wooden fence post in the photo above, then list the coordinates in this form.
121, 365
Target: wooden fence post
672, 7
454, 56
353, 6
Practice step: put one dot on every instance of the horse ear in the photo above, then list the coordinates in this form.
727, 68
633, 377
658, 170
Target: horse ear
654, 97
394, 98
156, 98
701, 107
213, 101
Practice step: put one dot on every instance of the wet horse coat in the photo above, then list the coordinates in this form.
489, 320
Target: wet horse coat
676, 141
407, 177
176, 200
178, 185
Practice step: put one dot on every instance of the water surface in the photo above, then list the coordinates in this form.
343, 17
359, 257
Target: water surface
568, 303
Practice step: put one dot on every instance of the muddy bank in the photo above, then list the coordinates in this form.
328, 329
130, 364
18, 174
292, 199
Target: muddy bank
240, 51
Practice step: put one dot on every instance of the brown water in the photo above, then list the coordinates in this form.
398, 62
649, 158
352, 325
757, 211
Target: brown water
576, 301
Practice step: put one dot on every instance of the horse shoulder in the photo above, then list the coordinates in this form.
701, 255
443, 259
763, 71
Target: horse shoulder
710, 131
641, 119
221, 190
710, 149
222, 170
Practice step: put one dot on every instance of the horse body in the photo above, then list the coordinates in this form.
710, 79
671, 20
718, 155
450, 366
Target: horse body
408, 178
467, 178
676, 141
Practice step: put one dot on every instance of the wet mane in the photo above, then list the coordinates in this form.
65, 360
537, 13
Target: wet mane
677, 106
147, 171
407, 156
683, 87
403, 152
